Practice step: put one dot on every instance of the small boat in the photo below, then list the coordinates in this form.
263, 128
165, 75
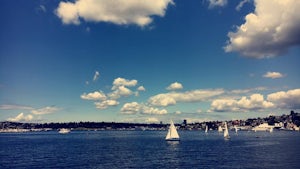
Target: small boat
64, 131
236, 129
226, 133
206, 129
220, 129
172, 133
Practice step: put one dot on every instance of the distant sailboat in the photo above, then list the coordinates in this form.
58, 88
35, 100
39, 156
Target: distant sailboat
220, 129
206, 129
172, 133
226, 133
236, 129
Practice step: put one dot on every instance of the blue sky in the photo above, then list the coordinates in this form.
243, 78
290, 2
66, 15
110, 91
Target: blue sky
150, 61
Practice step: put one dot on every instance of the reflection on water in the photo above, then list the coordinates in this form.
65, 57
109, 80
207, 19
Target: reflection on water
173, 143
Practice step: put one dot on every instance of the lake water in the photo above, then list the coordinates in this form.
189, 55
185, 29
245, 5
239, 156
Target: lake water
148, 149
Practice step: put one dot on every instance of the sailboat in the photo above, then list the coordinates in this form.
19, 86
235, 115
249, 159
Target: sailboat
220, 129
172, 133
226, 133
206, 129
236, 129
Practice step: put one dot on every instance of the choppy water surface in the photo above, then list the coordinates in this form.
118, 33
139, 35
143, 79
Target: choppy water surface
148, 149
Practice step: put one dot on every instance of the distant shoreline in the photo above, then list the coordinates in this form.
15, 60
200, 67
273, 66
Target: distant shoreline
284, 122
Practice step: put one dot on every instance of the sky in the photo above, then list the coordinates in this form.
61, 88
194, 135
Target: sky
148, 61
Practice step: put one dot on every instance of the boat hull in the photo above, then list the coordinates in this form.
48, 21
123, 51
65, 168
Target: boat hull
173, 139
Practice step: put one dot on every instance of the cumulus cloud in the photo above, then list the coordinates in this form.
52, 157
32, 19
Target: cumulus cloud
217, 3
286, 100
120, 12
120, 88
105, 104
255, 102
166, 99
123, 82
21, 118
134, 108
273, 75
141, 88
45, 110
120, 91
96, 76
97, 95
130, 108
267, 32
175, 86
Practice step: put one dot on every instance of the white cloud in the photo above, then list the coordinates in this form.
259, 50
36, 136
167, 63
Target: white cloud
273, 75
123, 82
267, 32
15, 107
21, 118
134, 108
120, 91
255, 102
243, 91
141, 88
45, 110
42, 8
286, 100
217, 3
97, 95
106, 103
241, 4
151, 110
175, 86
166, 99
120, 12
130, 108
96, 76
120, 88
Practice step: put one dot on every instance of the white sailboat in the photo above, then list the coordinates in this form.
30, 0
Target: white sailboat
172, 133
220, 129
206, 129
236, 129
226, 133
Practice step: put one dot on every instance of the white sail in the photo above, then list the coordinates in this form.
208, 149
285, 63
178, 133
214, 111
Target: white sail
206, 129
172, 132
236, 129
226, 133
220, 129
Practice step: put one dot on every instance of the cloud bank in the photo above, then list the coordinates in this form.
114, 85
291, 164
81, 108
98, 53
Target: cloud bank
166, 99
256, 102
269, 31
120, 12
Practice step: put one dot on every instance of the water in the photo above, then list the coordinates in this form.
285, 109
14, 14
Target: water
148, 149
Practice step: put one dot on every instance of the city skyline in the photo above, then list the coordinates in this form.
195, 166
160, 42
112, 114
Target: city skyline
132, 61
